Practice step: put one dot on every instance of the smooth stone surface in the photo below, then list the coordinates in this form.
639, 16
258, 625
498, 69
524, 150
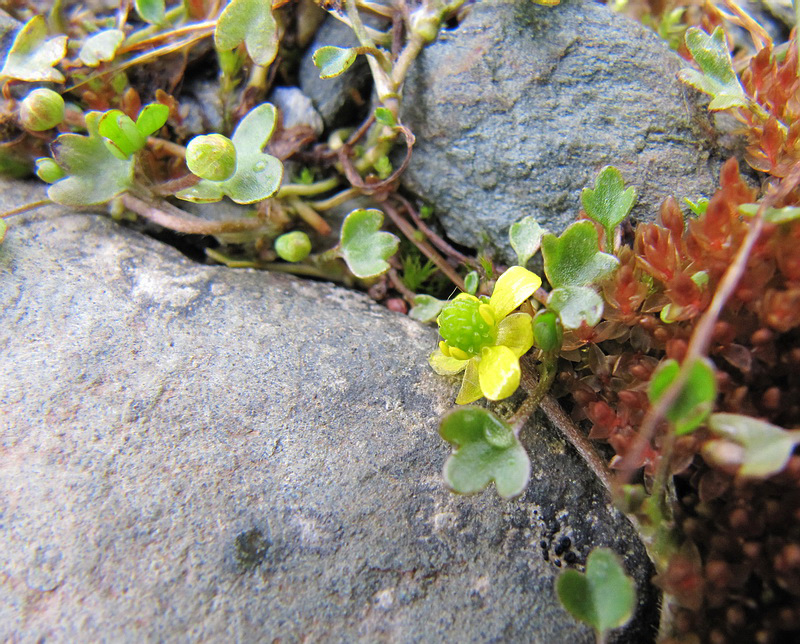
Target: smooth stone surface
191, 453
518, 109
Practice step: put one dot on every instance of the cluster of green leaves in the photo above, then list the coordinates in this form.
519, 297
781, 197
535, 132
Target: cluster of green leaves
716, 77
604, 597
106, 162
257, 175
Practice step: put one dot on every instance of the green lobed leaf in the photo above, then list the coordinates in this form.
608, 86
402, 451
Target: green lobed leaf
152, 118
717, 77
258, 175
334, 61
767, 447
249, 22
151, 11
609, 202
772, 215
526, 238
576, 305
486, 450
33, 55
574, 258
101, 47
124, 138
604, 597
426, 308
364, 246
94, 174
699, 208
696, 398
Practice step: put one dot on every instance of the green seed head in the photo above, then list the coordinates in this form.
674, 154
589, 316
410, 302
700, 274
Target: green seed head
211, 157
41, 110
425, 25
463, 324
293, 247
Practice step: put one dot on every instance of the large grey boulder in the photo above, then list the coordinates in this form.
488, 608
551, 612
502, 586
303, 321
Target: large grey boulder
191, 453
517, 109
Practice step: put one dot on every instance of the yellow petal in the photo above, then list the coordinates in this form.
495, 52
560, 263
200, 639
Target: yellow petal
470, 388
516, 333
465, 296
498, 372
445, 365
513, 287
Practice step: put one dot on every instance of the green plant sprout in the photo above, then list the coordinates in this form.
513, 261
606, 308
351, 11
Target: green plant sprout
572, 263
485, 450
257, 175
526, 238
695, 400
364, 246
248, 22
717, 77
604, 597
609, 202
124, 137
92, 174
752, 447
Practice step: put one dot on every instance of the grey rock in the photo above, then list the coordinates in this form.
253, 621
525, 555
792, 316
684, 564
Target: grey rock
191, 453
334, 98
8, 32
517, 109
203, 108
296, 109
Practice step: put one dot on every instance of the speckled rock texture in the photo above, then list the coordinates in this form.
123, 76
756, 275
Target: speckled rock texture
192, 453
517, 109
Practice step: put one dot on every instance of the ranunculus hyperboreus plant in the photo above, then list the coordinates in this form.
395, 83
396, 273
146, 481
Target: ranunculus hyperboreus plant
484, 338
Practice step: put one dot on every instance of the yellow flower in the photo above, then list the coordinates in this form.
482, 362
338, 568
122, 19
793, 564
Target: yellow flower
484, 340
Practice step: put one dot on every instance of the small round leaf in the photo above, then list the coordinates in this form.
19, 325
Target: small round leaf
485, 450
364, 246
333, 61
603, 598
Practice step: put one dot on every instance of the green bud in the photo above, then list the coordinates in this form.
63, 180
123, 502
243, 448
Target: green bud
48, 170
124, 138
425, 25
547, 332
41, 110
211, 157
293, 247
